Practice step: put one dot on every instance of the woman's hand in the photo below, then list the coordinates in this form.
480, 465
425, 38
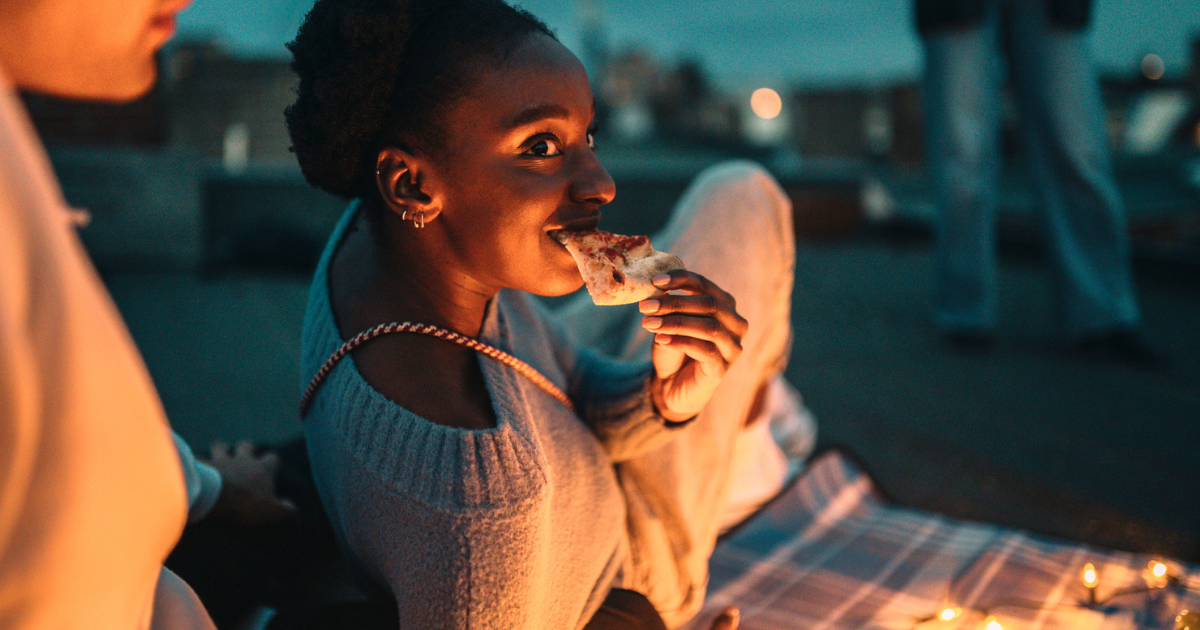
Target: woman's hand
697, 337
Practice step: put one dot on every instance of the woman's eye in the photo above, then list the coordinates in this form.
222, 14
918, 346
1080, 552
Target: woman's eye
544, 148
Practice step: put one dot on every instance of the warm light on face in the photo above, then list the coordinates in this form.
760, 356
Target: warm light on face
948, 613
1153, 67
766, 103
1089, 575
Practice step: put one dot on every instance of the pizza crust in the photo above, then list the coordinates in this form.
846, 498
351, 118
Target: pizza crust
617, 269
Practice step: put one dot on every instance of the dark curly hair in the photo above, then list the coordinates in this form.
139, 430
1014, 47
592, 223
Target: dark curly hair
376, 73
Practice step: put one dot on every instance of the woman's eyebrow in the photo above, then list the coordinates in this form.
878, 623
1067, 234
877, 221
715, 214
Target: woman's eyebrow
535, 114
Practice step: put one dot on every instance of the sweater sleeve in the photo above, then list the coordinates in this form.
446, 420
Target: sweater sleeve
203, 481
612, 396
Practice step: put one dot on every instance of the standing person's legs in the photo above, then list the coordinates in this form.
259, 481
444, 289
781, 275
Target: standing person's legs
962, 88
734, 226
1062, 120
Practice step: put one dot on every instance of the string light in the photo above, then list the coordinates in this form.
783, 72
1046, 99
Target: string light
1090, 580
949, 613
1157, 576
1089, 575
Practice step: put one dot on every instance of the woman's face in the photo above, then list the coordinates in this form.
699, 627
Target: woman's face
519, 163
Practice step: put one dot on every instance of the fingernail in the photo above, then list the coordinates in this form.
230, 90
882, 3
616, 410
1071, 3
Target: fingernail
662, 339
648, 306
660, 280
651, 322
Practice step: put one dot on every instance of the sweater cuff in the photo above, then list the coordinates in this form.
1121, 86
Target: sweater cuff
210, 491
636, 428
202, 481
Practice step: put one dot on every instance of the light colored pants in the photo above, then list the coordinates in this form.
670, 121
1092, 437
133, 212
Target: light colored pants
1057, 97
733, 226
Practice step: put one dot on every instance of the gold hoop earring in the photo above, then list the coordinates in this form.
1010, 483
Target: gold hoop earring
419, 220
404, 215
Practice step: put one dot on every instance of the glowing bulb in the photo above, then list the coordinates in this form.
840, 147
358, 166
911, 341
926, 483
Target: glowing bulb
1089, 575
765, 103
992, 624
1153, 67
948, 613
1156, 574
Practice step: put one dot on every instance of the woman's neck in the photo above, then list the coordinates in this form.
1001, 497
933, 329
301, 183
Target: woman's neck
400, 276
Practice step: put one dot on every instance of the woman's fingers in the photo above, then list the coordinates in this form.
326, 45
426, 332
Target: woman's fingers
703, 338
702, 313
703, 305
692, 283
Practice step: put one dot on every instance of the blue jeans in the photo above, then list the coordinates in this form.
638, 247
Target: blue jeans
1056, 94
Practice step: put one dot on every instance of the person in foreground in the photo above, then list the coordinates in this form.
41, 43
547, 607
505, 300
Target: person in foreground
92, 495
94, 487
464, 492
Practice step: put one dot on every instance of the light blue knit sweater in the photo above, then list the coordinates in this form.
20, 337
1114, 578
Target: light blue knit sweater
519, 526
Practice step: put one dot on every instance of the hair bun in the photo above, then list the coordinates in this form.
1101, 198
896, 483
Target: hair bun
346, 54
379, 73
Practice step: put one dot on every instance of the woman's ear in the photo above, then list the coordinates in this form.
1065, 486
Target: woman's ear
402, 179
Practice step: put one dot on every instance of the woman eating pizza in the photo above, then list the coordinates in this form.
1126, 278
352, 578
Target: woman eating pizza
487, 463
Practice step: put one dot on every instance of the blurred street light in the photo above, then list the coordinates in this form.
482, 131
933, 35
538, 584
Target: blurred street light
765, 103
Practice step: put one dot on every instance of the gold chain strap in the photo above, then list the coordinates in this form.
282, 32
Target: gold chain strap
433, 331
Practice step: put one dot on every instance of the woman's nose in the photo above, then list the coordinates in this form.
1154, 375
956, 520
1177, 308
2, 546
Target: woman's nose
592, 183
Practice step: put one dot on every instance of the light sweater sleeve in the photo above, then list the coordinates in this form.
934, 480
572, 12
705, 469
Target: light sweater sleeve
612, 396
203, 481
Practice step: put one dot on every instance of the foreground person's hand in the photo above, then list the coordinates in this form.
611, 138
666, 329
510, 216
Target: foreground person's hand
248, 485
697, 337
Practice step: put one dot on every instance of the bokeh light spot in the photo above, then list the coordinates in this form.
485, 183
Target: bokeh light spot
1153, 67
766, 103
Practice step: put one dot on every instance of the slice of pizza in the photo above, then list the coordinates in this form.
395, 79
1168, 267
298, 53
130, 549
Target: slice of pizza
617, 269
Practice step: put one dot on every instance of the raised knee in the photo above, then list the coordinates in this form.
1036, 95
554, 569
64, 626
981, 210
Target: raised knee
746, 183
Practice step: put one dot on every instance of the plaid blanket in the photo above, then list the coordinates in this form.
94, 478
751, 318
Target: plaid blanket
830, 553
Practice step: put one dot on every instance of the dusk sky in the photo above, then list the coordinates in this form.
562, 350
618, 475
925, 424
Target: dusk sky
780, 42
